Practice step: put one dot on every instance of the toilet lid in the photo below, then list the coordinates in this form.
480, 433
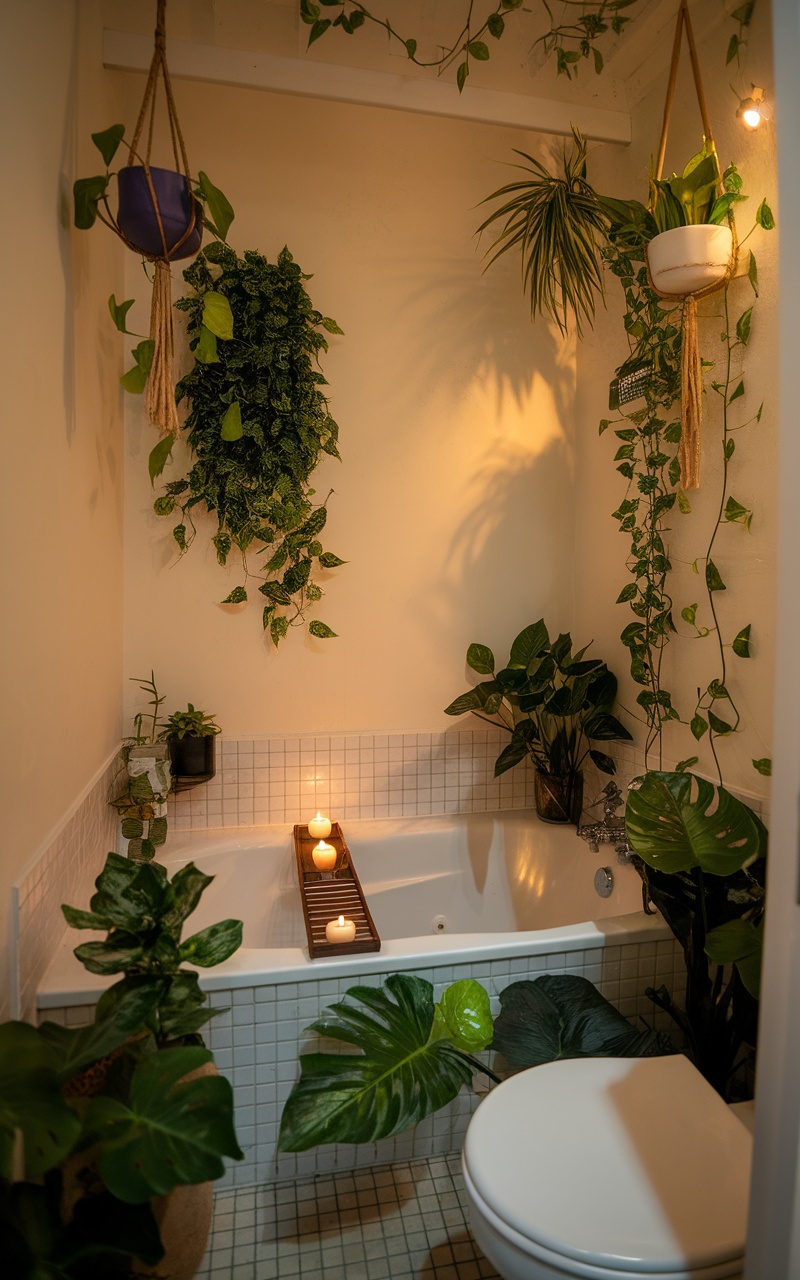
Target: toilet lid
633, 1164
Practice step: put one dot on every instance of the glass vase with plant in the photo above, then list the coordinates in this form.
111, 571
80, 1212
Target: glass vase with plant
555, 704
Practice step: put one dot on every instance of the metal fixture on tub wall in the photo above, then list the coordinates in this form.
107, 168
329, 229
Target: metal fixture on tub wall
611, 829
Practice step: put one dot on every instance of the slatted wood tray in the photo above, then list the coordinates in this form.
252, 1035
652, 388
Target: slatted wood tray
327, 896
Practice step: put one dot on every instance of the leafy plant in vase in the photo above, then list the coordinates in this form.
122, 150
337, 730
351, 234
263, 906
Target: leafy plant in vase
555, 704
190, 736
110, 1134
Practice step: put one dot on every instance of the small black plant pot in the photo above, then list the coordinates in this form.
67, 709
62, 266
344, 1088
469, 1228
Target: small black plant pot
559, 797
136, 214
192, 759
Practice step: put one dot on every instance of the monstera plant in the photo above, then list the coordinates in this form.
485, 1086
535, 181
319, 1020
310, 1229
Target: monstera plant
99, 1123
701, 853
415, 1055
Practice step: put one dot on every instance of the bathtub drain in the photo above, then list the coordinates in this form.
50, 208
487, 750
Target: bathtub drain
439, 924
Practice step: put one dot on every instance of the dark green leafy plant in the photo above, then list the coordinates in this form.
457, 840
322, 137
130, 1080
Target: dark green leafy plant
195, 724
572, 40
413, 1060
258, 425
701, 854
143, 1130
144, 913
553, 703
565, 1016
415, 1056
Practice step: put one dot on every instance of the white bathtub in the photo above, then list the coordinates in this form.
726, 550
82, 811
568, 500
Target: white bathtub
441, 890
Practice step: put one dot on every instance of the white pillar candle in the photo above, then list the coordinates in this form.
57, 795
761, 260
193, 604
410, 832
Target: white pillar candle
324, 856
319, 827
340, 930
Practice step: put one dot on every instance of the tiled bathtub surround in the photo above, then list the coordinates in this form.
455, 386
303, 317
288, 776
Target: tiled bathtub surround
355, 776
257, 1040
62, 871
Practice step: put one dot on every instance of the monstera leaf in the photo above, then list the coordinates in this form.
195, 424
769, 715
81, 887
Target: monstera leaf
405, 1070
672, 831
172, 1131
739, 942
30, 1100
564, 1016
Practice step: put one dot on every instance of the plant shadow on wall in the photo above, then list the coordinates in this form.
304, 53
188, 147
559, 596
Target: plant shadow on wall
520, 500
469, 331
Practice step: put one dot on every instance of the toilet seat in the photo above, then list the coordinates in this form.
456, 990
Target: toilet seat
613, 1169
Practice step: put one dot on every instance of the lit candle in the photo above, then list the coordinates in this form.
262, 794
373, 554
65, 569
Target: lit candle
340, 930
319, 827
324, 856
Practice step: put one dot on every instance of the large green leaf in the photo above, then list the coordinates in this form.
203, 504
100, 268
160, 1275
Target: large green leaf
671, 830
528, 644
30, 1100
739, 942
182, 896
172, 1132
74, 1048
212, 945
563, 1016
86, 194
401, 1075
220, 212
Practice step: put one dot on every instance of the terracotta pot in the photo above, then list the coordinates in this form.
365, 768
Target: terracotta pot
136, 214
689, 259
559, 797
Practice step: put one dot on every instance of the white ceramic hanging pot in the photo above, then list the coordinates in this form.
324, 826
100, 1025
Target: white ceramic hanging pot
688, 259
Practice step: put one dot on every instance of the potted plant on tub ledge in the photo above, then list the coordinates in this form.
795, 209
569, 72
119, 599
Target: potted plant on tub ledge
190, 736
555, 704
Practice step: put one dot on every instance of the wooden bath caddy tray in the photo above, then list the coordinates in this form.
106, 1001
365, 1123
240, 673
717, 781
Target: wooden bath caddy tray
326, 896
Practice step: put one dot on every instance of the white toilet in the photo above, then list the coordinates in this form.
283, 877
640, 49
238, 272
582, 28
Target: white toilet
609, 1169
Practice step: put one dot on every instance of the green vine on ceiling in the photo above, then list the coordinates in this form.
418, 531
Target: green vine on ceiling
572, 39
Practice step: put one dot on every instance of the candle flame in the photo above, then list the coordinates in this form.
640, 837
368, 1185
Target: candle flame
341, 922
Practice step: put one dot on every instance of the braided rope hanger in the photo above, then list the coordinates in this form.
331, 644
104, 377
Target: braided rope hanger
691, 369
160, 391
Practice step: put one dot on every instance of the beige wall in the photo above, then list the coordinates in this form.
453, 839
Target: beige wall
453, 503
745, 560
61, 569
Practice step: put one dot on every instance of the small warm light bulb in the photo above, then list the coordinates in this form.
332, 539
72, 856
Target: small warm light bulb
753, 111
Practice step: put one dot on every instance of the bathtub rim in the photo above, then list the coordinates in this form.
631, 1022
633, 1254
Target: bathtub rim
67, 984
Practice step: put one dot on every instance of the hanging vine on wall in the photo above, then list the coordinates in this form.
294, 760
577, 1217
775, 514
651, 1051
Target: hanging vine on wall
258, 425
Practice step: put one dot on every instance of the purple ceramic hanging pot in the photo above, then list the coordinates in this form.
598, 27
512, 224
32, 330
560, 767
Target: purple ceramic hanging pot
137, 216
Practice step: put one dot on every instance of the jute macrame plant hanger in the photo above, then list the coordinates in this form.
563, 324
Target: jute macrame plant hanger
160, 391
691, 370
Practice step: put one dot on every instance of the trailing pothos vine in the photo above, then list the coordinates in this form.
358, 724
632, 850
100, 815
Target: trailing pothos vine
572, 38
258, 425
647, 458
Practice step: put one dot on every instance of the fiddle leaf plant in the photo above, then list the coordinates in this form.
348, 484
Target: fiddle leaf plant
144, 912
258, 426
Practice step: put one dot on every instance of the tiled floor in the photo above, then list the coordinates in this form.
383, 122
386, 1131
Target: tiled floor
404, 1221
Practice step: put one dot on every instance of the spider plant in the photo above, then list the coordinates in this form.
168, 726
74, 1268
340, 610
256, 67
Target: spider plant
556, 222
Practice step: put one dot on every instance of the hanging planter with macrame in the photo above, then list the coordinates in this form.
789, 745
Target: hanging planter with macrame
697, 253
160, 217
